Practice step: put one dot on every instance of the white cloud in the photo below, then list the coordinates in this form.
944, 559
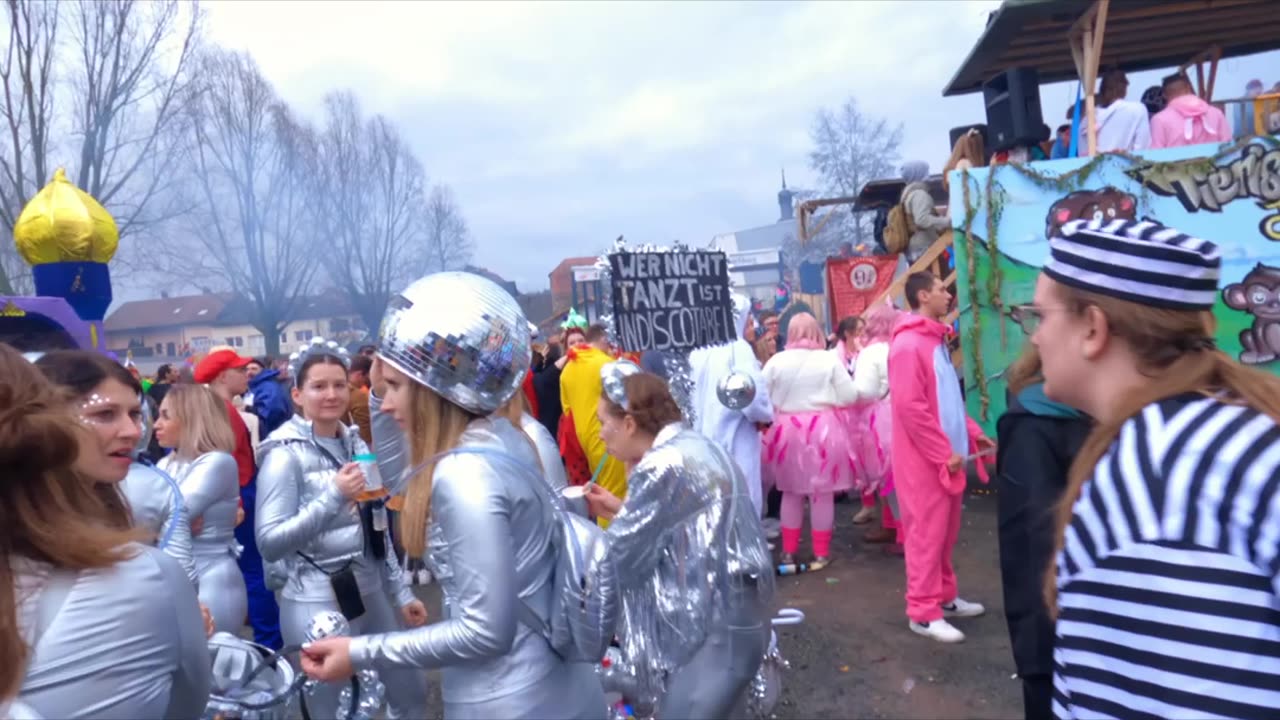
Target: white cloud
562, 124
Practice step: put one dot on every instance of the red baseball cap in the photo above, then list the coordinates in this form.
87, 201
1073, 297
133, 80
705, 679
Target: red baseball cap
215, 362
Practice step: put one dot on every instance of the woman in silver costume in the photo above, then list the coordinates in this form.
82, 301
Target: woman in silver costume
92, 623
193, 423
487, 535
309, 521
154, 505
690, 552
548, 451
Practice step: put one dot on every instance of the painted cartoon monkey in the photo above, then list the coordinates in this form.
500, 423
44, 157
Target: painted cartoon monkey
1259, 295
1108, 203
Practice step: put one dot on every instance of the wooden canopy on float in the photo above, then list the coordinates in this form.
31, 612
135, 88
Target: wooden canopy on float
1070, 39
1139, 35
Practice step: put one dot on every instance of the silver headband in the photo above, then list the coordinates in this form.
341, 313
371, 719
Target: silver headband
612, 377
317, 347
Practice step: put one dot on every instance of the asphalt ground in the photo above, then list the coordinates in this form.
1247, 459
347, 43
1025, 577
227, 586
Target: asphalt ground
853, 657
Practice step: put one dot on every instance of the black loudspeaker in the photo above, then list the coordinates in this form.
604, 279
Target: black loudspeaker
1013, 109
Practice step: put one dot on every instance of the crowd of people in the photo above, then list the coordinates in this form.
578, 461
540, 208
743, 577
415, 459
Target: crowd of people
1167, 115
1138, 473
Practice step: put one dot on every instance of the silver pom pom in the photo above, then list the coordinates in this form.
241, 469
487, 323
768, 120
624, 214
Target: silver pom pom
736, 390
612, 377
326, 624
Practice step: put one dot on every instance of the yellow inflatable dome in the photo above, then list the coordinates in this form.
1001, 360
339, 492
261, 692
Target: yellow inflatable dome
63, 223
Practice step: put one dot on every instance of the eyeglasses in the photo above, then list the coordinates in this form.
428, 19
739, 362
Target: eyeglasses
1029, 316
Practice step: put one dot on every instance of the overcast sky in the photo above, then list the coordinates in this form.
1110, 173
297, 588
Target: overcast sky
562, 125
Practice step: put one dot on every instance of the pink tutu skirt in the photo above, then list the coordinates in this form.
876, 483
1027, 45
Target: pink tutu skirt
875, 447
809, 452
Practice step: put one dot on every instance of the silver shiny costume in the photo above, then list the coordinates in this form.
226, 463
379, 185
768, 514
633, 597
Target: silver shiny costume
696, 577
120, 642
301, 512
156, 503
490, 548
211, 490
552, 464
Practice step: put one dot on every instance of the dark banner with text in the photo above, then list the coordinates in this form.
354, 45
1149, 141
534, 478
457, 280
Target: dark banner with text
671, 300
854, 283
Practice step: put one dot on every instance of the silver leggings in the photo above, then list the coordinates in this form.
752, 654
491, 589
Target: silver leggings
222, 591
406, 688
571, 692
711, 685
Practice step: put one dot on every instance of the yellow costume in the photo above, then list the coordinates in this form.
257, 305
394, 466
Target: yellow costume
580, 389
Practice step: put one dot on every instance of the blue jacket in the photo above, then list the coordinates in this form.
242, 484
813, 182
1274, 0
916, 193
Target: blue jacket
270, 402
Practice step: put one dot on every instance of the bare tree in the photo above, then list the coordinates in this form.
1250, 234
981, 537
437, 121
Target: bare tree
851, 149
129, 94
252, 166
113, 105
447, 243
27, 74
373, 188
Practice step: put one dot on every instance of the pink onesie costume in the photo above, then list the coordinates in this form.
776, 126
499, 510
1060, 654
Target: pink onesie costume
929, 426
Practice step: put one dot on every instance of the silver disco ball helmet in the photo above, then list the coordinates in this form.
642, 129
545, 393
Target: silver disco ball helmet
462, 336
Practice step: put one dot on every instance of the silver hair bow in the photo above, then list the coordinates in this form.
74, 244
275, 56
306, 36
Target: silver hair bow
612, 377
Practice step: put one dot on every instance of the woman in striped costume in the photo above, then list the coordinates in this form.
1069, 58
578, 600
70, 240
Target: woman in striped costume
1167, 583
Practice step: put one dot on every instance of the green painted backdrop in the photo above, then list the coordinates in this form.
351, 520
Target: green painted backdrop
1002, 218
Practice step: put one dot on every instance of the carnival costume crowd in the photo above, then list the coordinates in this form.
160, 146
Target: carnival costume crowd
572, 512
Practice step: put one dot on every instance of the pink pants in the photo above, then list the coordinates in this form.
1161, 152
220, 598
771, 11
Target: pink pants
931, 525
822, 518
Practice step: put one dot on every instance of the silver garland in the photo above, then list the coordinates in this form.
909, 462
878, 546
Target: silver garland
676, 363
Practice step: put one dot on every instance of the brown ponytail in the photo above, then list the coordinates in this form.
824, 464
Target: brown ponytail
1170, 348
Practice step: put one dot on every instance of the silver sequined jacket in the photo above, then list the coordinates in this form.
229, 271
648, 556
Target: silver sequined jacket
153, 499
126, 642
300, 510
489, 546
688, 546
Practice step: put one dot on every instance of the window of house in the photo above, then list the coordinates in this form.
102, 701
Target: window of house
160, 349
303, 335
200, 344
284, 338
172, 349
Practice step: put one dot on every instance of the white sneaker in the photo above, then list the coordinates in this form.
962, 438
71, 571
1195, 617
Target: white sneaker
961, 608
939, 630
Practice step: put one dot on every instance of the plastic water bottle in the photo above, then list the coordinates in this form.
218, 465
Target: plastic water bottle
373, 491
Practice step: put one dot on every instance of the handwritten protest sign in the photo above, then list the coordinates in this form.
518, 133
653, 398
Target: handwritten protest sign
671, 300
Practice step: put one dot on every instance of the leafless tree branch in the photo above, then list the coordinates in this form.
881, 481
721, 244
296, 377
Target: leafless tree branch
851, 149
374, 190
251, 169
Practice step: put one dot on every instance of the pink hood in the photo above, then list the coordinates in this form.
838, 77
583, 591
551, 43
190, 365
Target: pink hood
921, 329
1188, 120
1189, 106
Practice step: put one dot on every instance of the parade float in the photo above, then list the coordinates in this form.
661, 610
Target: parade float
67, 238
1228, 194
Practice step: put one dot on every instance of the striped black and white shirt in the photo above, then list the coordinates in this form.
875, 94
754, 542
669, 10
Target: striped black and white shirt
1169, 578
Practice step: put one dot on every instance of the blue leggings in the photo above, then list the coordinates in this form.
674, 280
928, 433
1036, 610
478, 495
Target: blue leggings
264, 613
